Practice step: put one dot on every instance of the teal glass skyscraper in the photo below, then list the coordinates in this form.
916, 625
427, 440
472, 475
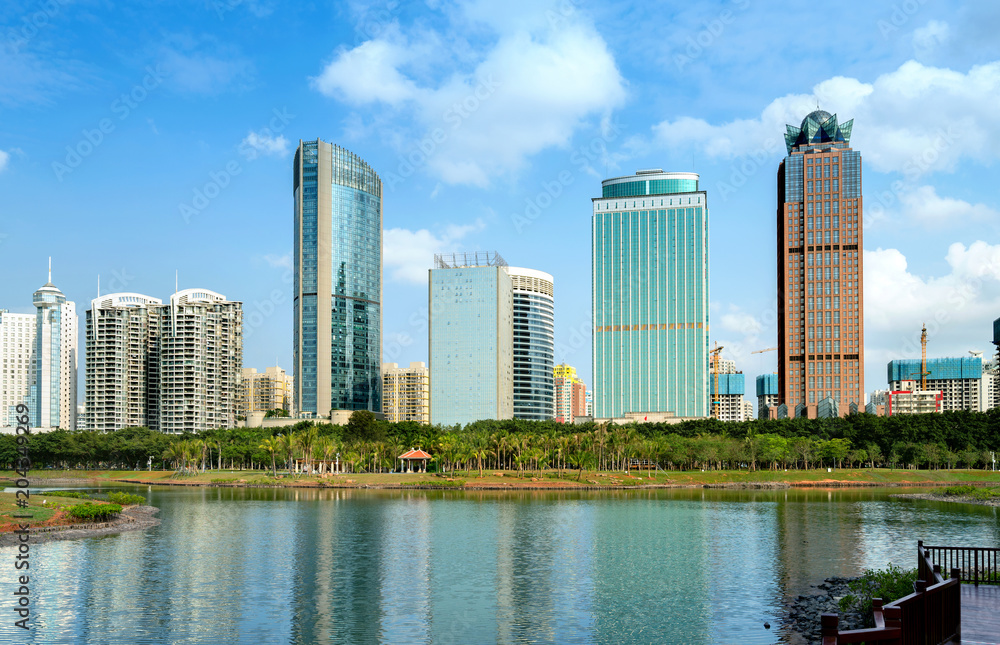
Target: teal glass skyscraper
650, 296
337, 301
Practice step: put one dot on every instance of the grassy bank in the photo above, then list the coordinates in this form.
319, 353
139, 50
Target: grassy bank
44, 510
548, 478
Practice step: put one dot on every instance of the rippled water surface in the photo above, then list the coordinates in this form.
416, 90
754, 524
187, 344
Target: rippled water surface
282, 566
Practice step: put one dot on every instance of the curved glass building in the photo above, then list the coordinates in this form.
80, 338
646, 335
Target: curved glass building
650, 296
337, 299
534, 344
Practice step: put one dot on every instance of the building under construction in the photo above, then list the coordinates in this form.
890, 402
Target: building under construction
964, 384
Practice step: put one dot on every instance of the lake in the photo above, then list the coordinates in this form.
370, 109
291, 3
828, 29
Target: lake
363, 566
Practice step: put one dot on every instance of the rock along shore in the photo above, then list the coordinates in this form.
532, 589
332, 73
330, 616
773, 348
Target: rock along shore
130, 519
937, 497
803, 622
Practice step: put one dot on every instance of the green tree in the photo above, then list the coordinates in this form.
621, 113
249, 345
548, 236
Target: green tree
272, 445
363, 426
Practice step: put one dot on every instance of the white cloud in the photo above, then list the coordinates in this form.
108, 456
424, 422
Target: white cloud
930, 36
203, 66
924, 205
4, 158
407, 255
279, 261
960, 305
368, 73
913, 120
740, 322
265, 143
529, 89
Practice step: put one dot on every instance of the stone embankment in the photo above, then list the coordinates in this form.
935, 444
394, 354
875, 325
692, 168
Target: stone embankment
130, 519
803, 623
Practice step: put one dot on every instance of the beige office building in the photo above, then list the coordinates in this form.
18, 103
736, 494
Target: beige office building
261, 392
406, 392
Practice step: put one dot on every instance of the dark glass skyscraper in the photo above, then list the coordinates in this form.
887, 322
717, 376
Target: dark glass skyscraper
337, 301
820, 304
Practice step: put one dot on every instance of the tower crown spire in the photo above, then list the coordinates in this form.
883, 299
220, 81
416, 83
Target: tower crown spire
819, 126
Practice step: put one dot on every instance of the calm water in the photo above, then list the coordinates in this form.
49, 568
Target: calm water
279, 566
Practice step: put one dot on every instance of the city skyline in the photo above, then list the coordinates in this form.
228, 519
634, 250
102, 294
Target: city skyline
191, 129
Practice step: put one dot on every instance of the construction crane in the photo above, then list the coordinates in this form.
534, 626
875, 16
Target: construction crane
769, 349
715, 368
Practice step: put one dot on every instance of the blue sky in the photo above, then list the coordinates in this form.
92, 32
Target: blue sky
141, 138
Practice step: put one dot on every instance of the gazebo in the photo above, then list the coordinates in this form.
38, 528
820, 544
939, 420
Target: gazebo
412, 456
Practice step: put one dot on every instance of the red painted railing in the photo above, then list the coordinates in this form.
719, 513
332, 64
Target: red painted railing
931, 615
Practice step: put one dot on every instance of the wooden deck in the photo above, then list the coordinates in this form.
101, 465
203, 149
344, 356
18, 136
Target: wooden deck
980, 614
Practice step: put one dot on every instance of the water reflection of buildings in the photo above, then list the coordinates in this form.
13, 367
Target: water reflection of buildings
815, 534
405, 576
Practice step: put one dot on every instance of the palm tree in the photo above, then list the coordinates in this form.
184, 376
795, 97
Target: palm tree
307, 439
541, 460
201, 447
580, 460
174, 453
286, 444
271, 445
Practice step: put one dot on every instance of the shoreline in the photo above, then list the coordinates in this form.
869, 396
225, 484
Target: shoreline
533, 484
802, 619
956, 499
133, 518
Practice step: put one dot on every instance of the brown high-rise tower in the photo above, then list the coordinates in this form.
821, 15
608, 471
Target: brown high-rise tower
820, 308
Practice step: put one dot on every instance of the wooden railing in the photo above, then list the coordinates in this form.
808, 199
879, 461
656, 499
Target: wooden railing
976, 565
931, 615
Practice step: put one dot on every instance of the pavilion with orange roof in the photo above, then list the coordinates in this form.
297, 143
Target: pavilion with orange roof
415, 455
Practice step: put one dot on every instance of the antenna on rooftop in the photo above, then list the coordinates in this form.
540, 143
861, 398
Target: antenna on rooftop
50, 269
98, 285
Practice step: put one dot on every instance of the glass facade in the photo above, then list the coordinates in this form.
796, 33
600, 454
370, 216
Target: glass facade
633, 188
650, 303
471, 344
534, 345
338, 281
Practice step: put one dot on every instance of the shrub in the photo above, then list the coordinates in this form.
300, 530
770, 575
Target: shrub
972, 491
89, 511
126, 499
75, 494
889, 584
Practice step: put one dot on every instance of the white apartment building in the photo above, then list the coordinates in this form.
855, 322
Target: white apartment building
200, 361
121, 379
17, 365
170, 367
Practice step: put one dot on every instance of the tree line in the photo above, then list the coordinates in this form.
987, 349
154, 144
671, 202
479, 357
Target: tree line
366, 444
